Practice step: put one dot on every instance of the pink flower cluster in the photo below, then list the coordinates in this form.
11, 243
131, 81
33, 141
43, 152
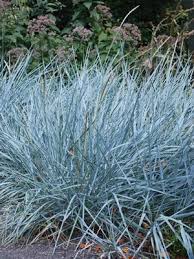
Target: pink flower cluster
128, 32
39, 24
82, 33
64, 54
16, 53
105, 11
4, 4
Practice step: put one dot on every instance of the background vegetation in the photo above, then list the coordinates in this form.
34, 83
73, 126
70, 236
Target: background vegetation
68, 28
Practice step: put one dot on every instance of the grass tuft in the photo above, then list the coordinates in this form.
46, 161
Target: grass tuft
101, 153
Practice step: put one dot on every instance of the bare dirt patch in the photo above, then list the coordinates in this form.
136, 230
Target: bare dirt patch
43, 250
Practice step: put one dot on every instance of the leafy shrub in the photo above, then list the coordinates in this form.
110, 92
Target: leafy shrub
36, 27
101, 153
57, 28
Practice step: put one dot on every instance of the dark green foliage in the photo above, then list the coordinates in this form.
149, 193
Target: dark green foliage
149, 10
53, 27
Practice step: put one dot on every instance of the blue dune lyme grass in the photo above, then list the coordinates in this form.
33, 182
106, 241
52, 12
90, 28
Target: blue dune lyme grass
98, 150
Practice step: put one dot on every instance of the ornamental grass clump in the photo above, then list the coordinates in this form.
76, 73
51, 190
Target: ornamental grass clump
100, 153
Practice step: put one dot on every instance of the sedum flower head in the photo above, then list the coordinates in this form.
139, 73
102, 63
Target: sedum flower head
105, 11
4, 4
82, 33
128, 32
39, 24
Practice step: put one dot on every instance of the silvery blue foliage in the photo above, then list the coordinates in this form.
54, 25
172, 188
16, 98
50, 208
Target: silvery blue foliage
97, 146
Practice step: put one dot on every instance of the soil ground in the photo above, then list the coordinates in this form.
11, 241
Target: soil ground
42, 250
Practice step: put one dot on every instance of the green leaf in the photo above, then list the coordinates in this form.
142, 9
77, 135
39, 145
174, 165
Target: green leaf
66, 30
102, 36
87, 4
75, 15
95, 15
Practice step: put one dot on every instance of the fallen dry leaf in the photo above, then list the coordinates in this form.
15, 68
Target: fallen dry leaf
97, 249
129, 257
84, 245
121, 241
145, 225
125, 250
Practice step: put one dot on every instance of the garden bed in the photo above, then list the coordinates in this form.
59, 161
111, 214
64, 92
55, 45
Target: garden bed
42, 250
102, 152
